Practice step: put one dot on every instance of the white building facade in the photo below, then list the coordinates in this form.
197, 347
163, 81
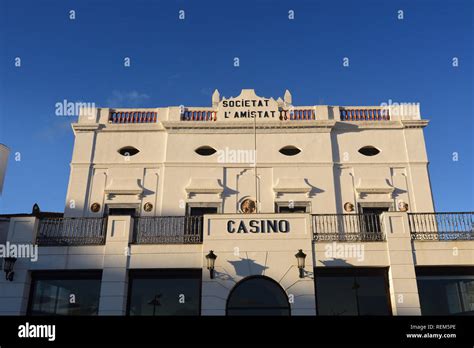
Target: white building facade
309, 210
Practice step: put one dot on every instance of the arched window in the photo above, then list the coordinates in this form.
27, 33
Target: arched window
258, 295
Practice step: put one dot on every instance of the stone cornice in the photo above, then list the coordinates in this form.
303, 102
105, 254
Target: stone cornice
84, 127
415, 123
248, 127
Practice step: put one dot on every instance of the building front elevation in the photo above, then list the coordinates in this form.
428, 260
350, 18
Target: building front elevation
251, 206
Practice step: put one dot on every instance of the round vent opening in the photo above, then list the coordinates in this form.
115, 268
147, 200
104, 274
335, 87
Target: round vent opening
290, 150
205, 151
128, 151
369, 151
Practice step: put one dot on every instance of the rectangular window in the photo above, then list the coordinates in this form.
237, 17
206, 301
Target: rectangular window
65, 293
352, 291
446, 290
165, 292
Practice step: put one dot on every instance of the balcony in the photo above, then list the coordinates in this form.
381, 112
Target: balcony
297, 115
199, 115
364, 114
347, 228
168, 230
441, 226
141, 116
71, 231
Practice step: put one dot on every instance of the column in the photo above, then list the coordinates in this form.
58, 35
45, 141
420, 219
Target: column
113, 292
402, 278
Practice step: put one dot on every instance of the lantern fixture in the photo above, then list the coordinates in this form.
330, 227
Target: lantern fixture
301, 257
211, 260
8, 263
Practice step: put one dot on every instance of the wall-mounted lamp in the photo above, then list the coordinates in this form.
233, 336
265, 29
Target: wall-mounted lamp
8, 263
301, 257
211, 260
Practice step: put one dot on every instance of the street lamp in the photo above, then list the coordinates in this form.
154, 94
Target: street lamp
301, 257
355, 287
155, 302
211, 260
8, 263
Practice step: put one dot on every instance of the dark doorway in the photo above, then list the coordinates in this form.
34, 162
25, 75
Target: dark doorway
258, 295
370, 219
371, 210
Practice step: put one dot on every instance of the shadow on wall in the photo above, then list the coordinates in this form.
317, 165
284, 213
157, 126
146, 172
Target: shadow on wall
314, 190
336, 262
246, 267
242, 268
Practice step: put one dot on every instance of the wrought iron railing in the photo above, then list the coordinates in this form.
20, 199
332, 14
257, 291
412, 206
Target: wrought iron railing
71, 231
168, 230
348, 227
442, 226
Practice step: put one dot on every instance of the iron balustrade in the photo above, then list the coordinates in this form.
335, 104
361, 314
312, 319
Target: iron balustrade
364, 114
71, 231
348, 228
168, 230
297, 114
441, 226
199, 115
132, 116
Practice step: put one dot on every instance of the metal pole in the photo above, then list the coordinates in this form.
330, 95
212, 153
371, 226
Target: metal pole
255, 154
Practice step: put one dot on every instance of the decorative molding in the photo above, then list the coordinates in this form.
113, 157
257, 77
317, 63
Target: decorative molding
204, 185
290, 185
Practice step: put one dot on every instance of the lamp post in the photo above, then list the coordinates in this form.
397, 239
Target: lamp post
155, 302
8, 263
301, 257
355, 287
211, 260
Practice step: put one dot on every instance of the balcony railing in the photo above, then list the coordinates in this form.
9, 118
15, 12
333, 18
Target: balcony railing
132, 117
348, 228
168, 230
297, 115
199, 115
442, 226
364, 114
71, 231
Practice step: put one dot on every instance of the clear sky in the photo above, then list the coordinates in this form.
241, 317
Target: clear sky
176, 62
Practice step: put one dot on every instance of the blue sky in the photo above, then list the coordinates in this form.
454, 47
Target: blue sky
176, 62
